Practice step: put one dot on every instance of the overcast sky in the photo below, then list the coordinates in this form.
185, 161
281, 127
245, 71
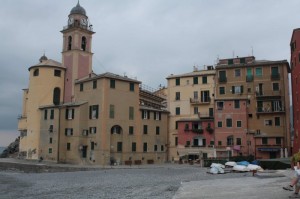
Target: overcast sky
144, 39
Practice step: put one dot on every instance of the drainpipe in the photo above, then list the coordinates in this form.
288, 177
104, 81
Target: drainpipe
58, 134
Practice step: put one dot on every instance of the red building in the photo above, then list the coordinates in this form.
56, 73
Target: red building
295, 79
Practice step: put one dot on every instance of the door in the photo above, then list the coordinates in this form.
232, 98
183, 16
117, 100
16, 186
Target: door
84, 151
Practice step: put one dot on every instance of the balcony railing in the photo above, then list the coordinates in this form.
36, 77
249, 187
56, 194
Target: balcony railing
267, 93
275, 76
270, 110
205, 100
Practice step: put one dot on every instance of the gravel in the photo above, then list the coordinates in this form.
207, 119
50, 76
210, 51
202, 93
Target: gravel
150, 182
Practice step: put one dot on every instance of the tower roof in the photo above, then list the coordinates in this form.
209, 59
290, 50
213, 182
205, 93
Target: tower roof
78, 10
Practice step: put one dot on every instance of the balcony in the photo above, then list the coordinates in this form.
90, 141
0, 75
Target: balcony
270, 110
268, 93
249, 78
222, 79
275, 76
196, 101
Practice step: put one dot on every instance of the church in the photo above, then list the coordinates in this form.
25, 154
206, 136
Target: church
72, 115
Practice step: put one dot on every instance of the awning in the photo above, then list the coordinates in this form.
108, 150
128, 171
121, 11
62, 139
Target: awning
268, 149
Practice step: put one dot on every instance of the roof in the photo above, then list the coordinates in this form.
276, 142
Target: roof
107, 75
48, 63
78, 10
194, 73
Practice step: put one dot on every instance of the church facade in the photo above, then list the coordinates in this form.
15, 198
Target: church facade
73, 115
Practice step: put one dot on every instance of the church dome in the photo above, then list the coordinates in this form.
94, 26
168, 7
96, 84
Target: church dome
43, 58
78, 10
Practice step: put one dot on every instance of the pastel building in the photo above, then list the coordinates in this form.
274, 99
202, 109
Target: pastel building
191, 119
73, 115
252, 107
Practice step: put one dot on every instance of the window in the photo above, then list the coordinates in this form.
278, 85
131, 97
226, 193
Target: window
45, 114
157, 130
145, 129
238, 141
112, 83
228, 122
238, 124
220, 124
278, 140
93, 130
145, 114
51, 114
51, 128
177, 96
131, 86
222, 90
69, 114
119, 146
211, 112
94, 109
50, 150
92, 146
81, 86
36, 72
219, 143
277, 121
258, 72
157, 116
196, 110
230, 61
220, 105
197, 125
195, 80
264, 140
162, 148
94, 84
83, 43
204, 80
205, 96
242, 60
131, 130
50, 140
230, 141
56, 96
68, 146
195, 94
275, 86
145, 147
176, 141
155, 147
222, 76
268, 122
177, 110
57, 73
237, 104
237, 89
237, 72
68, 131
177, 81
111, 111
69, 43
133, 146
116, 129
131, 113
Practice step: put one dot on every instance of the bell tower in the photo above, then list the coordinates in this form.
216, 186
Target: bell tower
76, 53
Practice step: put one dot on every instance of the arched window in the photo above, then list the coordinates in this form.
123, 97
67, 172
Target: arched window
116, 129
56, 96
83, 43
36, 72
69, 43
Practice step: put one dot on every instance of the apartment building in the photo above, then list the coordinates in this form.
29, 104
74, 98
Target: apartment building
252, 107
191, 120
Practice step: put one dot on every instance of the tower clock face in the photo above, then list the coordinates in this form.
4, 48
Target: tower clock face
70, 21
84, 22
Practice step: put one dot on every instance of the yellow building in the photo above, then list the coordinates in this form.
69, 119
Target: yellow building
75, 116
